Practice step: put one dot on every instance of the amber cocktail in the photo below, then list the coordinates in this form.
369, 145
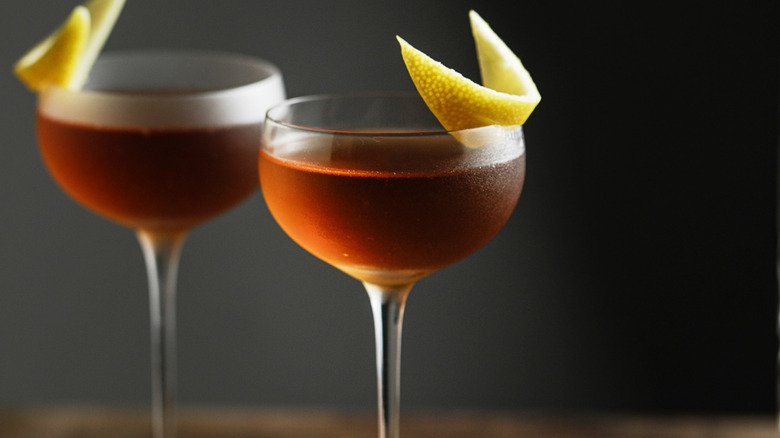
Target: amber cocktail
373, 186
160, 142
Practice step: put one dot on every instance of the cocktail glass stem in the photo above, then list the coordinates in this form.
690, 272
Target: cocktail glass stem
387, 303
161, 254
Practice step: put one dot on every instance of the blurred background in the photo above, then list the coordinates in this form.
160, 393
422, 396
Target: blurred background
636, 275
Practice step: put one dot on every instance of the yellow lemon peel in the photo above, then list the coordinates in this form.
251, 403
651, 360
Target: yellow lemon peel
54, 60
66, 56
506, 98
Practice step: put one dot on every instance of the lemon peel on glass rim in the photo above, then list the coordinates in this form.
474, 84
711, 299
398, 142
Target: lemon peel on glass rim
506, 98
66, 56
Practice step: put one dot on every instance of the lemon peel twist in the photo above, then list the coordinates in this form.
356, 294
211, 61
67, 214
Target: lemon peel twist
506, 98
65, 57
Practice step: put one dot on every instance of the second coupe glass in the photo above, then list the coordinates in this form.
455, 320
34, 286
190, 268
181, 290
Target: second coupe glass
160, 142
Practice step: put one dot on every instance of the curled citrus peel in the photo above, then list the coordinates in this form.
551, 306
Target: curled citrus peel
505, 100
66, 56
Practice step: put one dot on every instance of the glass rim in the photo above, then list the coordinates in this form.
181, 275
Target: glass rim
140, 56
434, 131
169, 88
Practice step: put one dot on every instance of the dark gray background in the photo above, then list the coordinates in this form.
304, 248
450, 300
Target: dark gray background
637, 273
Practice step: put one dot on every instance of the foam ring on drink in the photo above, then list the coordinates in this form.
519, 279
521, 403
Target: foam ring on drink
172, 89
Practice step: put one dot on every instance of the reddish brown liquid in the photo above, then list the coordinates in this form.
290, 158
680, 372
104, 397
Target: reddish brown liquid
390, 226
152, 179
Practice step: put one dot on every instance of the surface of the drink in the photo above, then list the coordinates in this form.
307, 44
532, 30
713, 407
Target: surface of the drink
152, 179
393, 212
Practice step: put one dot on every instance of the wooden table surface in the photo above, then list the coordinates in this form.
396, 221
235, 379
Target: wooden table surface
87, 422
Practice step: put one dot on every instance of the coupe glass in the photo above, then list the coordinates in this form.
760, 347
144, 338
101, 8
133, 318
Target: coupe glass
160, 142
372, 185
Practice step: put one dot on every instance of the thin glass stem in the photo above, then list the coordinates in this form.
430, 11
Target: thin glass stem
161, 253
388, 304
